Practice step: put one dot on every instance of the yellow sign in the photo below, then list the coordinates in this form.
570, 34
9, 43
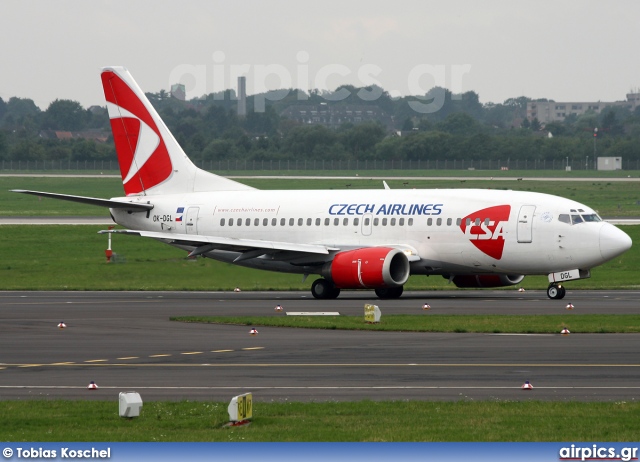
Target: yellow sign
245, 406
371, 313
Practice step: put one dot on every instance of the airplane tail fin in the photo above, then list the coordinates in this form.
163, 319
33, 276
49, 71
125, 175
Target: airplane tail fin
151, 160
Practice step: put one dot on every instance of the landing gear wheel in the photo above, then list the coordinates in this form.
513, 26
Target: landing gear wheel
556, 292
323, 289
389, 292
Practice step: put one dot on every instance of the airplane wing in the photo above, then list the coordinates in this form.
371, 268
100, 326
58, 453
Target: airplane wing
251, 248
132, 206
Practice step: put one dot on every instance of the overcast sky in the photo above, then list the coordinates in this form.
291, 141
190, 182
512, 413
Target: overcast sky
564, 50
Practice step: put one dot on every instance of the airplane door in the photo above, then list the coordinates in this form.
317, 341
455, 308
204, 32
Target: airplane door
192, 220
525, 222
367, 225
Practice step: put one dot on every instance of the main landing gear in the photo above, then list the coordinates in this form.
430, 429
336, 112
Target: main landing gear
323, 289
556, 291
389, 292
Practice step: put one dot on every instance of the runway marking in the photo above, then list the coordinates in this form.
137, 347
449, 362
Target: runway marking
129, 357
322, 365
159, 356
96, 361
192, 353
420, 387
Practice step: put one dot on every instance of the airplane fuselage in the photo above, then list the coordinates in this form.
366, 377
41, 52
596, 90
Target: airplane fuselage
454, 231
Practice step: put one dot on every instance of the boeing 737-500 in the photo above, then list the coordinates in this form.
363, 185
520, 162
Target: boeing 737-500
352, 239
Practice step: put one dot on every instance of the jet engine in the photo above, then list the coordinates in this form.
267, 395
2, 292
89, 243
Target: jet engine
486, 280
368, 268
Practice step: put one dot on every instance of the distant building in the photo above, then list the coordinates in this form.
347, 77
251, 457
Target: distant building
609, 163
548, 111
334, 116
178, 92
97, 135
242, 96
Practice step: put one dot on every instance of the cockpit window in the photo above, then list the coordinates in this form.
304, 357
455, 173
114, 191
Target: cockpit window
591, 217
564, 218
575, 219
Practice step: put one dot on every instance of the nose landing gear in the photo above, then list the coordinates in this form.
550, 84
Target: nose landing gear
556, 291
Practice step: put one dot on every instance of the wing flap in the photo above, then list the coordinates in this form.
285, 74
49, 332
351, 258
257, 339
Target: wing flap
225, 243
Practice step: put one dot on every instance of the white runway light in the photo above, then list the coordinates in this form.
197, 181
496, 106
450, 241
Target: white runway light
569, 306
527, 386
237, 289
565, 331
92, 386
62, 325
278, 308
426, 306
253, 331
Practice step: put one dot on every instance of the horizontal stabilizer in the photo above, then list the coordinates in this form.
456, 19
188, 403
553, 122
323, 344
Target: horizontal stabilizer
133, 206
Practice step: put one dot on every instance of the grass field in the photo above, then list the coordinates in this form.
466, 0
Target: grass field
609, 198
72, 258
366, 421
532, 324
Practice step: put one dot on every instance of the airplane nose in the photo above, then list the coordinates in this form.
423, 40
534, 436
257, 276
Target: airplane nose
613, 242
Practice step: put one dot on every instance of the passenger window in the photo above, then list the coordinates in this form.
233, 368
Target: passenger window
300, 221
449, 221
248, 222
265, 222
274, 221
458, 221
401, 222
367, 221
291, 221
384, 222
393, 222
336, 221
410, 222
477, 222
575, 219
564, 218
230, 221
356, 221
376, 221
429, 221
345, 221
221, 221
283, 221
239, 221
439, 221
317, 221
308, 221
327, 221
256, 222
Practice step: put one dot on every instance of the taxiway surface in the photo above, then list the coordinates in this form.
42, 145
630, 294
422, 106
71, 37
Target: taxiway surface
125, 341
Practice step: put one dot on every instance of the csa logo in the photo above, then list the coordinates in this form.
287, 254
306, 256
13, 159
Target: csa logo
488, 237
142, 154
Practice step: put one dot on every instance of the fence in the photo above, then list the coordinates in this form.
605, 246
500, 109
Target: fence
95, 166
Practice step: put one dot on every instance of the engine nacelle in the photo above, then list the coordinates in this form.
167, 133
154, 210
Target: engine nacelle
486, 280
368, 268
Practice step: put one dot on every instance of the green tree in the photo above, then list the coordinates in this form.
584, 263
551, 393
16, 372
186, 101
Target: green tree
64, 114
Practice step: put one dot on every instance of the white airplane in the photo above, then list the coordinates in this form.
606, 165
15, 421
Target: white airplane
353, 239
